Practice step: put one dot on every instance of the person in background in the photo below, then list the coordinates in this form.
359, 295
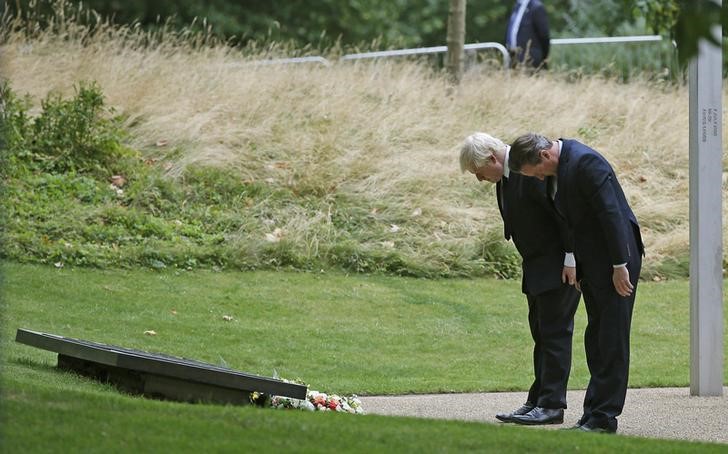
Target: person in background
609, 250
527, 34
549, 272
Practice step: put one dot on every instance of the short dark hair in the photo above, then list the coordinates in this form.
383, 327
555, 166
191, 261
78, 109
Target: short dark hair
525, 150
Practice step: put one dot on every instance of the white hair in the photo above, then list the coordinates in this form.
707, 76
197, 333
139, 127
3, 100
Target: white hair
477, 149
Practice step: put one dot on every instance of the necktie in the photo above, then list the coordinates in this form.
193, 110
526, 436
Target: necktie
551, 187
514, 23
501, 191
502, 195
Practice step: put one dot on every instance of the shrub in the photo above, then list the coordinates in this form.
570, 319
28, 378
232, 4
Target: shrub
69, 135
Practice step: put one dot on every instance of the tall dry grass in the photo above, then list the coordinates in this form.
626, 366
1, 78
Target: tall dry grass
385, 131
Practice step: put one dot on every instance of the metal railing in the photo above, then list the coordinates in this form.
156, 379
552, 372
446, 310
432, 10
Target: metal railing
606, 40
468, 48
279, 61
431, 50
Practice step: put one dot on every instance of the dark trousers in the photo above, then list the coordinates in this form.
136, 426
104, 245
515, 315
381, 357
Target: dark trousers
551, 319
606, 341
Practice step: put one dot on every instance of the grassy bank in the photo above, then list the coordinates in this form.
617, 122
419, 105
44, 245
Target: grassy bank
345, 334
351, 166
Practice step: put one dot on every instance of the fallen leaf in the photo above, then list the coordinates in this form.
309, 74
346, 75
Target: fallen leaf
227, 318
150, 332
416, 212
394, 228
118, 180
275, 236
162, 143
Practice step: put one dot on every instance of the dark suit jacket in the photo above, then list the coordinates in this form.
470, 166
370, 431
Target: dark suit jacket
533, 34
593, 203
539, 233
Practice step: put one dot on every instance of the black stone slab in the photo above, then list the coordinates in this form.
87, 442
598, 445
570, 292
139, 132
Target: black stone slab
157, 375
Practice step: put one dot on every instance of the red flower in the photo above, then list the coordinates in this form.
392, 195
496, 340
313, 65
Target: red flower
333, 404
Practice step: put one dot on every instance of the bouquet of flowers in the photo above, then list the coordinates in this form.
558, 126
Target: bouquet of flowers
315, 401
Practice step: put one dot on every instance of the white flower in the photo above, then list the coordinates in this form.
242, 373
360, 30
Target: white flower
306, 405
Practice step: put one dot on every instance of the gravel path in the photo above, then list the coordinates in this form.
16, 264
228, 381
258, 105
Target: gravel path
656, 413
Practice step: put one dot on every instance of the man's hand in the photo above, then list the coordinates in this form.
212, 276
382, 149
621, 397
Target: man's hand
568, 275
620, 278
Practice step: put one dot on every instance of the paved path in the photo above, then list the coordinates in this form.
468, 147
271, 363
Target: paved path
656, 413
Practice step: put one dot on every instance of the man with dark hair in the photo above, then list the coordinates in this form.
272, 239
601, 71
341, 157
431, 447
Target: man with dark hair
527, 35
549, 272
608, 247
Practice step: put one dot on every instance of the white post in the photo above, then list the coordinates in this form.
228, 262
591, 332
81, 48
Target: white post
706, 232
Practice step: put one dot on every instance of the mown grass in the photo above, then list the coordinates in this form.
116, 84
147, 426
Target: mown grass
89, 419
339, 333
84, 417
347, 334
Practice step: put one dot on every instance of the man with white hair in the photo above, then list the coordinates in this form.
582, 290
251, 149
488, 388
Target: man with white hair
545, 245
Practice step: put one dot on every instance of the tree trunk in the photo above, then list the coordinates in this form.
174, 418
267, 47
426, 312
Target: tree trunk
456, 39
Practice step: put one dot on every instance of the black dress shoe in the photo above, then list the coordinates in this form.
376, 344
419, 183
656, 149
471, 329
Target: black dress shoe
540, 416
595, 429
507, 417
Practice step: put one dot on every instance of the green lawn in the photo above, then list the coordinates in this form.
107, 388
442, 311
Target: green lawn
344, 334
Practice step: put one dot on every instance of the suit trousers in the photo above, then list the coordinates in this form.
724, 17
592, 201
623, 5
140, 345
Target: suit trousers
606, 341
551, 320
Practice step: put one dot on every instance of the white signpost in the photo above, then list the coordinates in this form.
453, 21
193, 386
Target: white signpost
706, 232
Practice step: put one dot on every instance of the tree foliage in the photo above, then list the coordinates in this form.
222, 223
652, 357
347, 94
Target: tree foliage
687, 21
376, 24
320, 23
